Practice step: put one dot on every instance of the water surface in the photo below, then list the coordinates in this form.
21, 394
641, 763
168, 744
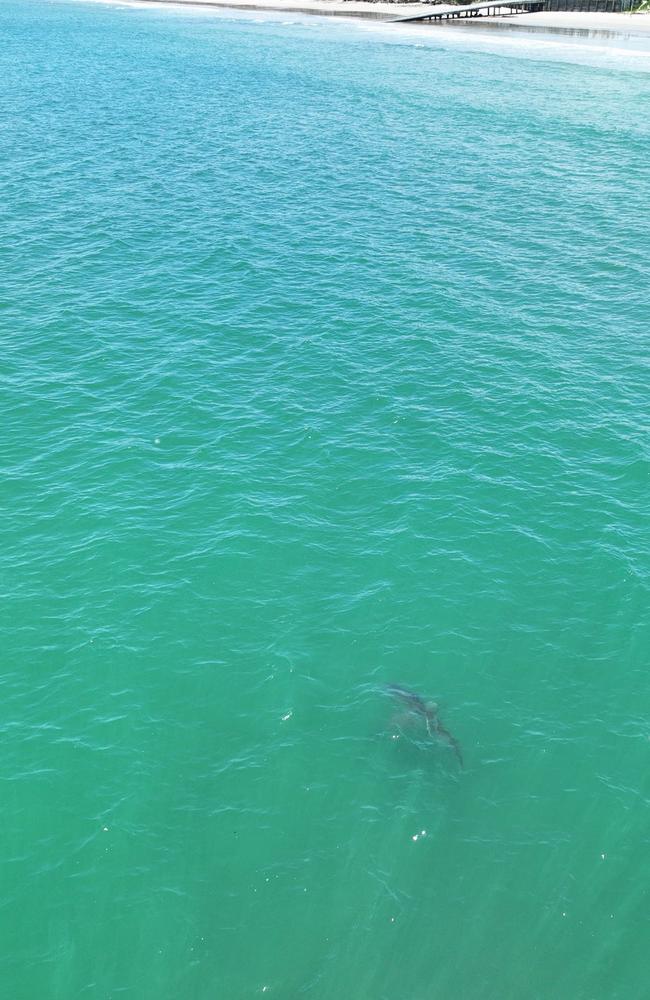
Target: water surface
325, 366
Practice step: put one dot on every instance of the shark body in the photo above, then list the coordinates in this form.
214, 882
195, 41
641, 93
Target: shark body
427, 710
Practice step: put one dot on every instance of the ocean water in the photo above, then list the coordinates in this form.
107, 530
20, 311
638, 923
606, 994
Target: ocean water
325, 366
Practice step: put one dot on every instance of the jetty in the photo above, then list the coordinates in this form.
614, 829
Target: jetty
490, 8
485, 9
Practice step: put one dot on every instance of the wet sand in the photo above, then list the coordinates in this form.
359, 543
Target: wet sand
574, 21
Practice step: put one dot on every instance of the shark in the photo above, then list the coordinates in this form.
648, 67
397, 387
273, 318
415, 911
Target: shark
427, 710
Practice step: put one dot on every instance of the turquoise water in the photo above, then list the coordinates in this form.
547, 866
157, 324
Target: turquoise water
325, 366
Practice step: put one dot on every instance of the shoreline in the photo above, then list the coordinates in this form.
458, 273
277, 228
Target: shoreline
550, 22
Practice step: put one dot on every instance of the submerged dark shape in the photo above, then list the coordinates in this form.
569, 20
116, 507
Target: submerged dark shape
428, 710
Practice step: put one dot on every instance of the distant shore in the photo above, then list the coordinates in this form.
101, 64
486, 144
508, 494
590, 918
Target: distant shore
547, 21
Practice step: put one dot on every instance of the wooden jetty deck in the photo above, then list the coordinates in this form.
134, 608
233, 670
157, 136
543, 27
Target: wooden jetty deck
484, 9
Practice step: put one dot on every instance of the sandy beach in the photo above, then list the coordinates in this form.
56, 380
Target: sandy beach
342, 8
547, 21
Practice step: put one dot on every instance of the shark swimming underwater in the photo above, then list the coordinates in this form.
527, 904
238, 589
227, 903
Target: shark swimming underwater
427, 710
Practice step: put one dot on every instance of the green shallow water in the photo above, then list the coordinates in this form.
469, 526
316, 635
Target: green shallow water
324, 366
